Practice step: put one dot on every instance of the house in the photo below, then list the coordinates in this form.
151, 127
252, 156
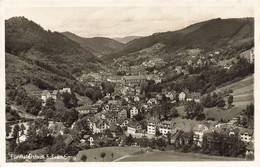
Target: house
151, 126
102, 125
123, 122
159, 96
182, 96
65, 90
213, 61
165, 127
112, 102
189, 62
250, 148
217, 52
115, 79
133, 127
91, 141
113, 128
111, 118
136, 99
122, 113
157, 80
45, 95
188, 97
138, 91
133, 112
86, 109
152, 101
68, 139
134, 79
175, 136
196, 97
246, 135
178, 69
171, 95
55, 95
198, 133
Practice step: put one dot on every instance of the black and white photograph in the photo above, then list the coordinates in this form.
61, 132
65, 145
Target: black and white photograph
129, 82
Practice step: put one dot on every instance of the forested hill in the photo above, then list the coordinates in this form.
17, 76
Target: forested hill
208, 35
24, 37
51, 59
99, 46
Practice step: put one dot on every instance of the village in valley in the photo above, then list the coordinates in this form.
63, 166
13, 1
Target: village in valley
148, 101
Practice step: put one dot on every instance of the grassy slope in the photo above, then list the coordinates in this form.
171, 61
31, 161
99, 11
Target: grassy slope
243, 92
117, 151
177, 156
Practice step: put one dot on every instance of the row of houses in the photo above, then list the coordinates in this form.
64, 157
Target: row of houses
190, 96
55, 94
138, 79
165, 127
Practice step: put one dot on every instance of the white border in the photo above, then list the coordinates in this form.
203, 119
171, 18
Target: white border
89, 3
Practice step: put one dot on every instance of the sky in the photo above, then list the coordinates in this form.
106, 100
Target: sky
124, 21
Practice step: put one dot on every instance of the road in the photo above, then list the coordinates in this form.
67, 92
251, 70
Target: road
123, 157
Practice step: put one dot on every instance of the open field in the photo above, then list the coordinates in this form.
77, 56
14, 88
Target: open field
117, 151
31, 89
228, 62
176, 156
243, 92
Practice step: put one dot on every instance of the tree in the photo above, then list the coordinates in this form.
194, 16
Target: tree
188, 108
157, 132
102, 155
129, 140
16, 133
69, 99
221, 102
174, 112
8, 130
22, 129
169, 138
83, 158
230, 100
112, 155
198, 111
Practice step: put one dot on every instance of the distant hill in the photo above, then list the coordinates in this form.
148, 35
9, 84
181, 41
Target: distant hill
126, 39
99, 46
208, 35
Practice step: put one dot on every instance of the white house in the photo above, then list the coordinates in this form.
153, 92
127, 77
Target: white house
45, 95
246, 135
133, 112
165, 127
182, 96
151, 126
199, 132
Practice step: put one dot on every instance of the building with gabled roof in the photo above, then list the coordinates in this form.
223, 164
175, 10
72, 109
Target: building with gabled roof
151, 126
133, 127
246, 135
199, 132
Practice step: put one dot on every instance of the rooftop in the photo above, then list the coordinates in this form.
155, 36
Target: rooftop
134, 77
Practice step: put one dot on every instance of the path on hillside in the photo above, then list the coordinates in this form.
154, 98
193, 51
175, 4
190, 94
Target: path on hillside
123, 157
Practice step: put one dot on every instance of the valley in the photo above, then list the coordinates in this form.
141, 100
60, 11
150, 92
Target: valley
180, 95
